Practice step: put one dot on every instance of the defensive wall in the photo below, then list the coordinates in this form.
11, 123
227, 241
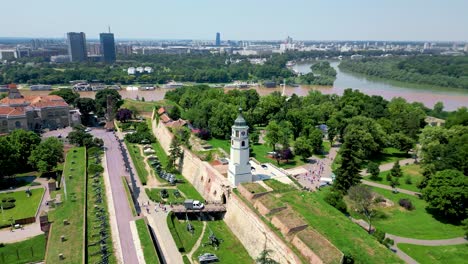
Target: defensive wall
253, 233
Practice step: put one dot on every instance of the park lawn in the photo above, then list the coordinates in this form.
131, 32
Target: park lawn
138, 161
29, 251
70, 209
279, 187
230, 249
155, 196
149, 251
179, 229
188, 190
389, 155
220, 143
417, 223
348, 237
436, 254
162, 156
253, 187
140, 106
412, 171
25, 206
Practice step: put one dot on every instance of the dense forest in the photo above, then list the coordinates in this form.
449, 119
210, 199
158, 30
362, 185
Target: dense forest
321, 74
444, 71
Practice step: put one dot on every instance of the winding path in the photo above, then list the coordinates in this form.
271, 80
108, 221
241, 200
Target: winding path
197, 244
386, 187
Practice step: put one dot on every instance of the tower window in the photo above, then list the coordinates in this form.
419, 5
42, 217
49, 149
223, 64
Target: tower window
232, 142
243, 144
237, 133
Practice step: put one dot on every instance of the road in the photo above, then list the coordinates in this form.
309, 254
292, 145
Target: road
123, 212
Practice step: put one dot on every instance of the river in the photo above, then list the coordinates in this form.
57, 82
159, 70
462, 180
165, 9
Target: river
452, 98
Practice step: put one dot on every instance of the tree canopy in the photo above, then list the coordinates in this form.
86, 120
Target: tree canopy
47, 155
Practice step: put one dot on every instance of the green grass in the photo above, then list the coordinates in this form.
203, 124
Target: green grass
220, 143
253, 187
25, 206
139, 105
179, 231
229, 251
413, 224
412, 171
337, 228
27, 251
72, 210
138, 161
189, 191
149, 251
160, 153
154, 195
279, 186
436, 254
129, 196
389, 155
92, 219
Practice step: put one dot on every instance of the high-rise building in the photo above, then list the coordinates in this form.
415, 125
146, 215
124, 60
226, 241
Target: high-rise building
77, 46
218, 39
107, 47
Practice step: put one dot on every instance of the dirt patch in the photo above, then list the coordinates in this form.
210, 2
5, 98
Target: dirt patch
315, 245
288, 221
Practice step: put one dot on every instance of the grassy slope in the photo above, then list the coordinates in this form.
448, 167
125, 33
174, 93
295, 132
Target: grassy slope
412, 171
229, 251
72, 249
414, 224
129, 196
139, 105
25, 206
151, 256
138, 162
180, 229
438, 254
31, 250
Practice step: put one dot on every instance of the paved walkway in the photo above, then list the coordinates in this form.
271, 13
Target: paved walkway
123, 213
389, 166
386, 187
421, 242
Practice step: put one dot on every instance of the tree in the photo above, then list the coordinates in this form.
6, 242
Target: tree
264, 258
272, 135
396, 170
8, 158
402, 142
373, 169
254, 137
175, 152
174, 113
447, 194
303, 148
123, 115
438, 109
85, 105
363, 200
79, 137
348, 173
46, 155
23, 142
101, 100
67, 94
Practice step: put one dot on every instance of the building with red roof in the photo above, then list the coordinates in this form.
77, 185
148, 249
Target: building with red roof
32, 112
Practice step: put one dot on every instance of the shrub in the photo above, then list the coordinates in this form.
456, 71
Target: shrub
335, 199
8, 205
94, 168
348, 258
388, 177
9, 199
379, 235
379, 199
408, 180
388, 242
406, 203
2, 245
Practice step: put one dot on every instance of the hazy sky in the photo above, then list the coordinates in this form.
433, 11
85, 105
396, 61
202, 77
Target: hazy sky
240, 19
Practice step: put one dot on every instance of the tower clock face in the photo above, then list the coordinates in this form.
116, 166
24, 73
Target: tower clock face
243, 133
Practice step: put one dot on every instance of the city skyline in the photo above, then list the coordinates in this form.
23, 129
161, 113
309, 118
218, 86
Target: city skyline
273, 20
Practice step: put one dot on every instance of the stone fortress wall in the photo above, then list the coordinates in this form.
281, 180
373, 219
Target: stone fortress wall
253, 233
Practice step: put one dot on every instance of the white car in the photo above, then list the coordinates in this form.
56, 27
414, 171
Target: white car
87, 129
198, 205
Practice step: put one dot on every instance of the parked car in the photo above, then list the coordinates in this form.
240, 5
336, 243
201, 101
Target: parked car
264, 166
207, 258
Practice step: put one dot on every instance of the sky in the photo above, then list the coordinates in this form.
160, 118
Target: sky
418, 20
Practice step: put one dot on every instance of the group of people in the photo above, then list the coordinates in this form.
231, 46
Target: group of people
161, 206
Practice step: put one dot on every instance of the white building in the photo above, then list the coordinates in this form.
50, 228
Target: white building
60, 59
131, 71
239, 169
8, 54
148, 69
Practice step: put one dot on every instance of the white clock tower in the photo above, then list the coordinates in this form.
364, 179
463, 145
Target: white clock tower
239, 166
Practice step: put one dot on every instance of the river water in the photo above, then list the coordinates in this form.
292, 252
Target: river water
452, 98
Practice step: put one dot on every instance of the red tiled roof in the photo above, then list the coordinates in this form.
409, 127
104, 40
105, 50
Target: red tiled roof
12, 111
165, 118
177, 124
36, 101
161, 110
